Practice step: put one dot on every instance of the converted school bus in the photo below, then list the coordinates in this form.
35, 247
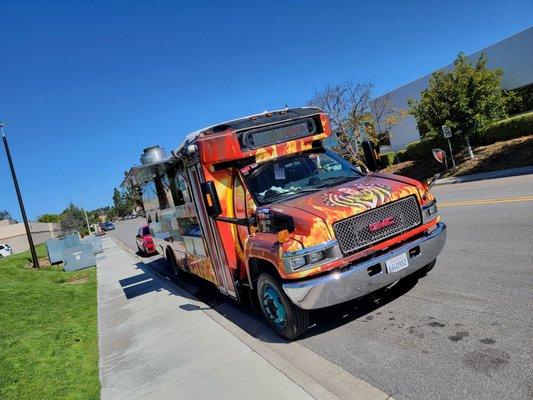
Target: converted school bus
258, 206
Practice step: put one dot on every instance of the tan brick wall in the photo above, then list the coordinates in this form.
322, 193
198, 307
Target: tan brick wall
15, 234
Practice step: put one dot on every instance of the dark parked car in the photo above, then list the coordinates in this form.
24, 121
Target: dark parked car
108, 226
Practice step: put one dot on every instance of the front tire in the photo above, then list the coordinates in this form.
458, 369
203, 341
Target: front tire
287, 320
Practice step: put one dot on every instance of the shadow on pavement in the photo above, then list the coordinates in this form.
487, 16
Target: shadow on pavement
244, 316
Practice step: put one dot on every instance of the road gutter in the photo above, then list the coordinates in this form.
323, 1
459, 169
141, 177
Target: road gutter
504, 173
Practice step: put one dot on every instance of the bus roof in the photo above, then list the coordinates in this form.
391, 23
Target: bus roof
251, 121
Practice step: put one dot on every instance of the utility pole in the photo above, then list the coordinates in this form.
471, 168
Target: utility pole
84, 209
19, 197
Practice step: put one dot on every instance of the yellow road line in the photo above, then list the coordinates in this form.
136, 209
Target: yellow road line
486, 201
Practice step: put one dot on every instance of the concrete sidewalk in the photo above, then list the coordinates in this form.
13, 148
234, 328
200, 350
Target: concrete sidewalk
156, 342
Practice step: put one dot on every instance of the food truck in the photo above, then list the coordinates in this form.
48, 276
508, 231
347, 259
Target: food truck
261, 209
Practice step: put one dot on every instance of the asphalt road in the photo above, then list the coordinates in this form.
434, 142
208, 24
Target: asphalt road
463, 331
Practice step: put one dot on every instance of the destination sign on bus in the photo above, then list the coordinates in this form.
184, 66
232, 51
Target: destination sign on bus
263, 137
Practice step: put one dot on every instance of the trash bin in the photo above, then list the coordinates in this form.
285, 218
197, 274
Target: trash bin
93, 241
78, 257
54, 248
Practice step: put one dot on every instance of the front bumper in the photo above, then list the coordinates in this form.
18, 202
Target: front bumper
355, 280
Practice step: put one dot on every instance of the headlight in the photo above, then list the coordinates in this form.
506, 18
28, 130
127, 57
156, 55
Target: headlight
429, 212
294, 263
310, 257
315, 257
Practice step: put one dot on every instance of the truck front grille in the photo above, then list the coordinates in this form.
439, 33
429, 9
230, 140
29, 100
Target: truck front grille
363, 230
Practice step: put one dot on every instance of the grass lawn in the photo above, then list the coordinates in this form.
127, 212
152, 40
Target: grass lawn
48, 331
512, 153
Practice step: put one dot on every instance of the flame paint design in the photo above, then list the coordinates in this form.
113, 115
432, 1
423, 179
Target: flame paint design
360, 195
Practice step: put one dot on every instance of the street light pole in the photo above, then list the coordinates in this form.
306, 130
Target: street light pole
19, 197
84, 210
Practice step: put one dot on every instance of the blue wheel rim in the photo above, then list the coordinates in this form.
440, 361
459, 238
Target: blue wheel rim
273, 306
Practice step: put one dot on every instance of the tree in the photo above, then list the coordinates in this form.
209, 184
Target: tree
466, 98
346, 105
4, 215
355, 115
124, 203
50, 218
72, 219
385, 115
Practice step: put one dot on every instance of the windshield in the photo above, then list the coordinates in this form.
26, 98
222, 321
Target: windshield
299, 174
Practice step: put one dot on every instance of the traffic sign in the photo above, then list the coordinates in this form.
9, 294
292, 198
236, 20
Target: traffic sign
447, 132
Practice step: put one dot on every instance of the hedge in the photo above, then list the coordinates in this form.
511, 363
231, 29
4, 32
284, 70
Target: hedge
422, 148
387, 159
510, 128
402, 156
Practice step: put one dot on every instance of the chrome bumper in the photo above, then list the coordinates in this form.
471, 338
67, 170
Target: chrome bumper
356, 281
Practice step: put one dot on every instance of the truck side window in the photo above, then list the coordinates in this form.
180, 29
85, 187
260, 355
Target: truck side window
179, 189
239, 201
160, 183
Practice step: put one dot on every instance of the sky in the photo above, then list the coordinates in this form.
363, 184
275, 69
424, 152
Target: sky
85, 86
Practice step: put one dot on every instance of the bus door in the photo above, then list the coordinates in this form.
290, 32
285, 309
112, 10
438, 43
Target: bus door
215, 248
242, 208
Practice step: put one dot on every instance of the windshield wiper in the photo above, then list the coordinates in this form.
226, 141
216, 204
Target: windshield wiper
290, 194
335, 180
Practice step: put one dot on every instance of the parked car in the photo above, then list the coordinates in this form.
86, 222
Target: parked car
108, 226
5, 250
145, 242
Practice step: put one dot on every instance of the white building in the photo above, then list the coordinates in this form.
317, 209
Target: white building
514, 55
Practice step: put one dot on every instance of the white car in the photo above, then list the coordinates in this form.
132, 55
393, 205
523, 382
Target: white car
5, 250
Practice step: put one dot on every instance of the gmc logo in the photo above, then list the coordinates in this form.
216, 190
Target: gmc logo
376, 226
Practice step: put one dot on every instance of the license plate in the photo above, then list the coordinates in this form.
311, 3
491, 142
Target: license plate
397, 263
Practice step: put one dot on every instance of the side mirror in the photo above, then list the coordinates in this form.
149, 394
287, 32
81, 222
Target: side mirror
211, 201
432, 182
371, 156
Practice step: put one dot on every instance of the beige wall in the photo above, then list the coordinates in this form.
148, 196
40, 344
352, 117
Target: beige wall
15, 234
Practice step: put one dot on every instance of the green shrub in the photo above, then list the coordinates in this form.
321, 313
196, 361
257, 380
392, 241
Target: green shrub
422, 148
387, 159
402, 155
510, 128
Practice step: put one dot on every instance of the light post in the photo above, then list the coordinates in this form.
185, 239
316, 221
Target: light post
84, 209
19, 197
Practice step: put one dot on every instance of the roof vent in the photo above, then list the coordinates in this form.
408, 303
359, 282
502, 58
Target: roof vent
152, 155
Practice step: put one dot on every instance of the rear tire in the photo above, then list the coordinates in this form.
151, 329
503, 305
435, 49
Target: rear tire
287, 320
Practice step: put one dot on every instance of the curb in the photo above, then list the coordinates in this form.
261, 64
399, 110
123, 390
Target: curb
504, 173
320, 378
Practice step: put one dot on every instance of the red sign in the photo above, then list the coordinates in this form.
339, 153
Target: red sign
376, 226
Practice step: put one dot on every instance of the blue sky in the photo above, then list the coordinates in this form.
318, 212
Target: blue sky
85, 86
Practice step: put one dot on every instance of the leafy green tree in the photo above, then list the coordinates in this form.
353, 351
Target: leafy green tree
72, 219
4, 215
111, 214
50, 218
124, 203
466, 98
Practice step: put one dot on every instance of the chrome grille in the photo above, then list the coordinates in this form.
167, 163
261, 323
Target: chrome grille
354, 233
